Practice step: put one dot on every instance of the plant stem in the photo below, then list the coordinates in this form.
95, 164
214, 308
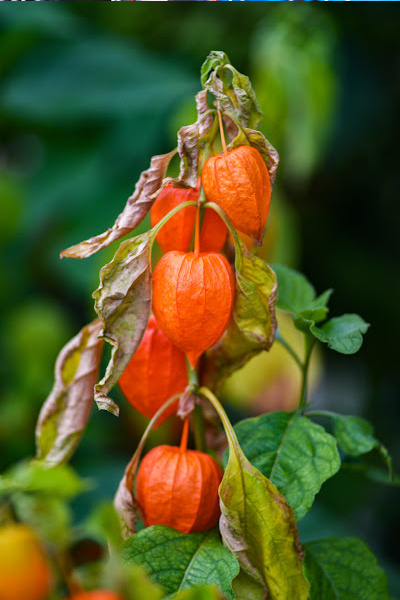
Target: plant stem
221, 129
184, 438
309, 345
197, 232
287, 346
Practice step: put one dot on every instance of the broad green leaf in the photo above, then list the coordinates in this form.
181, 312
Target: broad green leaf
253, 324
297, 455
59, 481
178, 561
344, 569
130, 580
343, 334
122, 302
257, 523
136, 208
354, 435
65, 413
295, 292
232, 90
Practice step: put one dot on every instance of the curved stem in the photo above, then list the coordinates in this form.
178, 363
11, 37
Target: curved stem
171, 213
232, 230
221, 130
287, 347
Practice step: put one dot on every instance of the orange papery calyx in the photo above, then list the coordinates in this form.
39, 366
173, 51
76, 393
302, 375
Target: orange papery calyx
238, 181
157, 371
192, 299
178, 487
177, 233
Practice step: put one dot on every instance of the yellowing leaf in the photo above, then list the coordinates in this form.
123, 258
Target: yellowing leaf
65, 413
258, 525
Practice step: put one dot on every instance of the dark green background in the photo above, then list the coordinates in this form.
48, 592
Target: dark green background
90, 92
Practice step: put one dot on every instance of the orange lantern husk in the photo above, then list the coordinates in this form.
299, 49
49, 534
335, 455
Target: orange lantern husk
157, 371
177, 233
193, 299
238, 181
179, 488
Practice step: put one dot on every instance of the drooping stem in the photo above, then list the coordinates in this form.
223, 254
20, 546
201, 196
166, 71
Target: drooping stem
197, 232
184, 438
288, 347
221, 130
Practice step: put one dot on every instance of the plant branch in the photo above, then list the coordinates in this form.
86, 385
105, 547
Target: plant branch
288, 347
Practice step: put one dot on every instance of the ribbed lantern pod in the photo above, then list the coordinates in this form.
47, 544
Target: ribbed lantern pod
192, 299
178, 487
177, 233
238, 181
155, 372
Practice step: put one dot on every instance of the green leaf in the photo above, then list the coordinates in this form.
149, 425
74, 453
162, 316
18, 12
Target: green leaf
257, 523
136, 208
65, 413
232, 90
343, 334
247, 588
59, 481
215, 59
123, 302
178, 561
295, 292
296, 455
344, 569
253, 324
354, 435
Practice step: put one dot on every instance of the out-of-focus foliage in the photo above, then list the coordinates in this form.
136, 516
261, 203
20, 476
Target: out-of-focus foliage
90, 93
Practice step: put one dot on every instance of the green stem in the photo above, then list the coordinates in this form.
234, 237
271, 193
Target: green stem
309, 345
287, 346
236, 239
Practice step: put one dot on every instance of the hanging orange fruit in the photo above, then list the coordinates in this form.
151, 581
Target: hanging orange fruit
24, 570
155, 372
177, 233
179, 488
192, 299
238, 181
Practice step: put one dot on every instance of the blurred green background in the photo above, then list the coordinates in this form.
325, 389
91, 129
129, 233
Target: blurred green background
90, 92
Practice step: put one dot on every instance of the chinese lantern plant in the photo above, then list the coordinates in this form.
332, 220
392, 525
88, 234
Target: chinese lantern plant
218, 309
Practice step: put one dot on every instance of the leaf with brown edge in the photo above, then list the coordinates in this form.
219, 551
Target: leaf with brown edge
252, 325
191, 142
136, 208
66, 411
232, 90
123, 302
258, 525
